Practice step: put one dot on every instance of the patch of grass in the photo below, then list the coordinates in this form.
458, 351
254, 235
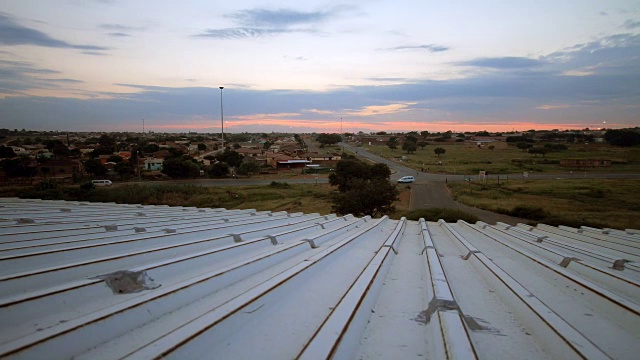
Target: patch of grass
598, 203
465, 159
291, 198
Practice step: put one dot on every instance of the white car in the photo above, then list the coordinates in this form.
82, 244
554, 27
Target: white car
406, 179
102, 182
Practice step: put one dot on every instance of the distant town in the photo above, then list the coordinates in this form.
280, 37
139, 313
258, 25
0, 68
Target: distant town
76, 156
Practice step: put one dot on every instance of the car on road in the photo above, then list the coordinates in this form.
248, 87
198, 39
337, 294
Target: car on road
102, 182
406, 179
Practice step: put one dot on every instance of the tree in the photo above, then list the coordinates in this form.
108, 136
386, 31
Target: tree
356, 182
424, 134
107, 141
348, 170
538, 150
151, 148
379, 171
202, 147
423, 144
491, 147
328, 139
524, 146
411, 137
18, 167
439, 151
236, 146
180, 167
59, 149
231, 157
94, 167
359, 202
622, 137
249, 167
7, 152
409, 146
392, 143
267, 145
124, 169
219, 169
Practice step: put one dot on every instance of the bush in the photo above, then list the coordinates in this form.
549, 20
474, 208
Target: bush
279, 185
47, 184
435, 214
87, 186
528, 212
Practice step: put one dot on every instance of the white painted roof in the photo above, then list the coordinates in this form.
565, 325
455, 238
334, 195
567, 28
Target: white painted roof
110, 281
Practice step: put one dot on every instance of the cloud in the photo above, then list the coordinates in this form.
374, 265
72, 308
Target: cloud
94, 53
119, 27
631, 24
507, 62
20, 76
119, 34
240, 33
119, 30
389, 79
66, 81
255, 23
279, 18
553, 107
578, 73
321, 112
428, 47
380, 109
12, 33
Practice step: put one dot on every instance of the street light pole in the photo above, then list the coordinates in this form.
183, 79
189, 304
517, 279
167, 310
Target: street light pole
222, 117
341, 135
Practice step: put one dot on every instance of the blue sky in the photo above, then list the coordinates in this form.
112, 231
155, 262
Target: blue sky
106, 65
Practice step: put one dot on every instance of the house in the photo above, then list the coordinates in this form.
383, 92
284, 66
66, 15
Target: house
153, 163
292, 164
249, 152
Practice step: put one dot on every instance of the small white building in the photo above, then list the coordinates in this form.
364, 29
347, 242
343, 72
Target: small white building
153, 164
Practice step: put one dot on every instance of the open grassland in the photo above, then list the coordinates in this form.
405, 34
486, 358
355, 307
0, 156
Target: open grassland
469, 160
598, 203
281, 197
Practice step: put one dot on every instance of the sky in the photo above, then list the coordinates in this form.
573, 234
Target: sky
319, 66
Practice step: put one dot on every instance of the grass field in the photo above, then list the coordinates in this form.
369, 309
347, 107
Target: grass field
598, 203
469, 160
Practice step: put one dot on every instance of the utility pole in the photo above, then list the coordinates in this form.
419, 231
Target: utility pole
222, 117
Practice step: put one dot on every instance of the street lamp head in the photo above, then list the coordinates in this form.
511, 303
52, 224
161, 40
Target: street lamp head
221, 87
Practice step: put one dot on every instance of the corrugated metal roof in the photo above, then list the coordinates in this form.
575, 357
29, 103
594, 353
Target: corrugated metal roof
111, 281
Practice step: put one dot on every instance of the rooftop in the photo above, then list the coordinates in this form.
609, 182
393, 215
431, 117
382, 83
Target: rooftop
111, 281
